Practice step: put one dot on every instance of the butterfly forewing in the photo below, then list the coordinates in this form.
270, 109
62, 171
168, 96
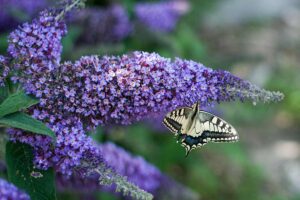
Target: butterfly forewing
175, 119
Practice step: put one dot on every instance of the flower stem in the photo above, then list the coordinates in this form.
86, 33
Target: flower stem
68, 8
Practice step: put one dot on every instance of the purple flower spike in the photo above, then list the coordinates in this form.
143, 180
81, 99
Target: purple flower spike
72, 144
161, 16
126, 89
75, 97
136, 169
37, 46
10, 192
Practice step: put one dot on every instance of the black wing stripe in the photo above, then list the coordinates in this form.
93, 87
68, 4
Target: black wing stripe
223, 126
175, 124
174, 119
172, 124
180, 112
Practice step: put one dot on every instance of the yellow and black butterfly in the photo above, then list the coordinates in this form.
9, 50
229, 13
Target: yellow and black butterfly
194, 128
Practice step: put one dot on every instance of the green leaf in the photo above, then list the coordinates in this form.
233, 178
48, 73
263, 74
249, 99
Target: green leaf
4, 42
16, 102
129, 5
26, 122
69, 40
4, 92
39, 184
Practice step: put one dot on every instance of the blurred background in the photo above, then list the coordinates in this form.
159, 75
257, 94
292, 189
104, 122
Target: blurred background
257, 40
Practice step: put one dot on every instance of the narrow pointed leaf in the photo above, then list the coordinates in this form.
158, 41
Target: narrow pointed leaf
39, 184
26, 122
16, 102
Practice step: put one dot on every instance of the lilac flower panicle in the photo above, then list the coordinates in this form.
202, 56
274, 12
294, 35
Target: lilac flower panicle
129, 88
76, 97
103, 25
161, 16
122, 90
36, 48
136, 169
37, 45
107, 178
72, 144
10, 192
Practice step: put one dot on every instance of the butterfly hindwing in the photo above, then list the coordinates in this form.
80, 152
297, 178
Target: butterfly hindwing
176, 118
216, 129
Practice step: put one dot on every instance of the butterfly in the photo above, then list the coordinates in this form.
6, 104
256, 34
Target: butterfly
195, 128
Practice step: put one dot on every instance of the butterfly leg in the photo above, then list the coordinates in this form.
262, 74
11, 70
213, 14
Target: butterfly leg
187, 150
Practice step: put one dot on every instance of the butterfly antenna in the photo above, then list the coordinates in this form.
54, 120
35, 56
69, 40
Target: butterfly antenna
197, 105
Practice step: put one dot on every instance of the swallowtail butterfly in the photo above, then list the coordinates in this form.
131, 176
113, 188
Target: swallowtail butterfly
195, 128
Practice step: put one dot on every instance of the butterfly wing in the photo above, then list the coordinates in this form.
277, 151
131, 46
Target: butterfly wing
208, 127
175, 119
216, 129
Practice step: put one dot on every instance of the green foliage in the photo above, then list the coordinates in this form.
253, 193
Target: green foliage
69, 40
187, 44
16, 102
38, 184
10, 117
216, 171
129, 5
3, 43
4, 92
26, 122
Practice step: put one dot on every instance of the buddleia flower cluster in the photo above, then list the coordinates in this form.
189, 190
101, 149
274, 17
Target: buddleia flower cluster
125, 89
10, 192
76, 97
113, 89
135, 168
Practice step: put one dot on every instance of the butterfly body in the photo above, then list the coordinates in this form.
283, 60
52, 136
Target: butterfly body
195, 128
